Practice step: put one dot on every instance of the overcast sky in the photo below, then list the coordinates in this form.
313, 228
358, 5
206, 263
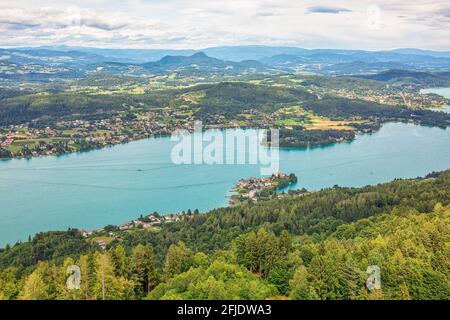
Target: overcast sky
348, 24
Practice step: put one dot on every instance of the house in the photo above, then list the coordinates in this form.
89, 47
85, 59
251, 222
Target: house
153, 219
86, 233
253, 193
102, 244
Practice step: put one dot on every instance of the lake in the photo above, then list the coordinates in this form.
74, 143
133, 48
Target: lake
114, 185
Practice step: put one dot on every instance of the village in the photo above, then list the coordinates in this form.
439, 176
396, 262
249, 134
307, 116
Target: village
249, 190
253, 189
30, 139
407, 96
66, 136
151, 223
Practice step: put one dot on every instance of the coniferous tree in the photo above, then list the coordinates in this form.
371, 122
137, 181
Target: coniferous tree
119, 260
143, 269
35, 287
178, 259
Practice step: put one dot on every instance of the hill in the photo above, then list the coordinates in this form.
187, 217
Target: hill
314, 246
408, 76
431, 53
201, 63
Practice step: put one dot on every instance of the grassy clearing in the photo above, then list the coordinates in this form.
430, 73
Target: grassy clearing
289, 122
296, 115
18, 145
107, 240
292, 116
193, 97
322, 123
97, 133
293, 110
247, 115
154, 229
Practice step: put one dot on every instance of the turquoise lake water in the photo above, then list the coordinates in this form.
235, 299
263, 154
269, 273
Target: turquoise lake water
114, 185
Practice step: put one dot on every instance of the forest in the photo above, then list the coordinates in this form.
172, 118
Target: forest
316, 245
341, 108
300, 138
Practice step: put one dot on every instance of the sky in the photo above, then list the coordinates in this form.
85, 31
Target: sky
195, 24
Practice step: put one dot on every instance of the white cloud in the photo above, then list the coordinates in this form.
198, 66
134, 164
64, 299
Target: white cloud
202, 23
327, 9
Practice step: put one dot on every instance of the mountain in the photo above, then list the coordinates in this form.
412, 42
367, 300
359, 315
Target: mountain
328, 61
431, 53
241, 53
362, 67
249, 52
200, 62
199, 59
396, 75
50, 57
121, 55
60, 62
227, 53
285, 61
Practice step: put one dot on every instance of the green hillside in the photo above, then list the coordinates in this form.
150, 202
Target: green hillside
315, 246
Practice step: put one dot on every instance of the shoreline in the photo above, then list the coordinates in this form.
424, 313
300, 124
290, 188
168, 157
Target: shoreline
154, 220
223, 203
165, 135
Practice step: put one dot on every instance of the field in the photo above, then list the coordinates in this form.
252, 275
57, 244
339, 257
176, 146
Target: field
32, 143
106, 240
322, 123
297, 116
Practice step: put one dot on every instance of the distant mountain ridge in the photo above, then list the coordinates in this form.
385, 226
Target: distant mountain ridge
201, 62
429, 78
234, 53
431, 53
61, 62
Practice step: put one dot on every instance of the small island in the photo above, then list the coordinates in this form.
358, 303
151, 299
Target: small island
253, 189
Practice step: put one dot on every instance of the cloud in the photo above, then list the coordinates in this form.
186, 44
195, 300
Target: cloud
446, 12
204, 23
434, 18
102, 24
265, 14
14, 25
21, 18
324, 9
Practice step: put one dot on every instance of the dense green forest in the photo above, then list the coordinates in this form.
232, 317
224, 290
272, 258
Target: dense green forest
231, 98
316, 245
300, 138
227, 98
341, 108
